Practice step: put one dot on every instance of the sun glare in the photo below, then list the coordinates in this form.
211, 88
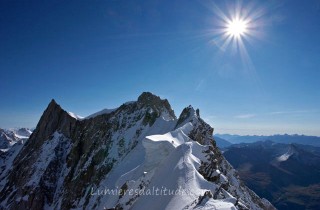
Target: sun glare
237, 25
236, 28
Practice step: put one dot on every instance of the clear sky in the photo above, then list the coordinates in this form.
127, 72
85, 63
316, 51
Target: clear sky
90, 55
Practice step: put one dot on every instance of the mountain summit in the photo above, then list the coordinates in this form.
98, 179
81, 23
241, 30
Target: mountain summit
137, 156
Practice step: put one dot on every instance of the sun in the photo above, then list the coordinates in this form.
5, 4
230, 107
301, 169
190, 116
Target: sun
236, 28
237, 25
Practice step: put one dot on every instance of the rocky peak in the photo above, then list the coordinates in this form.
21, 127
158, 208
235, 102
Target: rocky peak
149, 100
54, 118
187, 115
202, 132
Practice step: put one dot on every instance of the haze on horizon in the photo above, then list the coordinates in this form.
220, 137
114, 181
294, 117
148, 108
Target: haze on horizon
91, 55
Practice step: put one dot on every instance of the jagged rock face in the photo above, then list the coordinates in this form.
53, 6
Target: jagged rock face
21, 190
65, 157
53, 119
201, 132
156, 103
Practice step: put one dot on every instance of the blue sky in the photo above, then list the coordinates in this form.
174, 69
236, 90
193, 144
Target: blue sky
90, 55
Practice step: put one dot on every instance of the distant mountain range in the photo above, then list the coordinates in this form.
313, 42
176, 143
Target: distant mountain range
9, 137
286, 174
285, 139
222, 143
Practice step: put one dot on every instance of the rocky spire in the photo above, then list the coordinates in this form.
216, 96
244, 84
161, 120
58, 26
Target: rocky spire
54, 118
186, 115
202, 132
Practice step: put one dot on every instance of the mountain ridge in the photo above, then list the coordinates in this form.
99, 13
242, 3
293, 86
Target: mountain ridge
66, 157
